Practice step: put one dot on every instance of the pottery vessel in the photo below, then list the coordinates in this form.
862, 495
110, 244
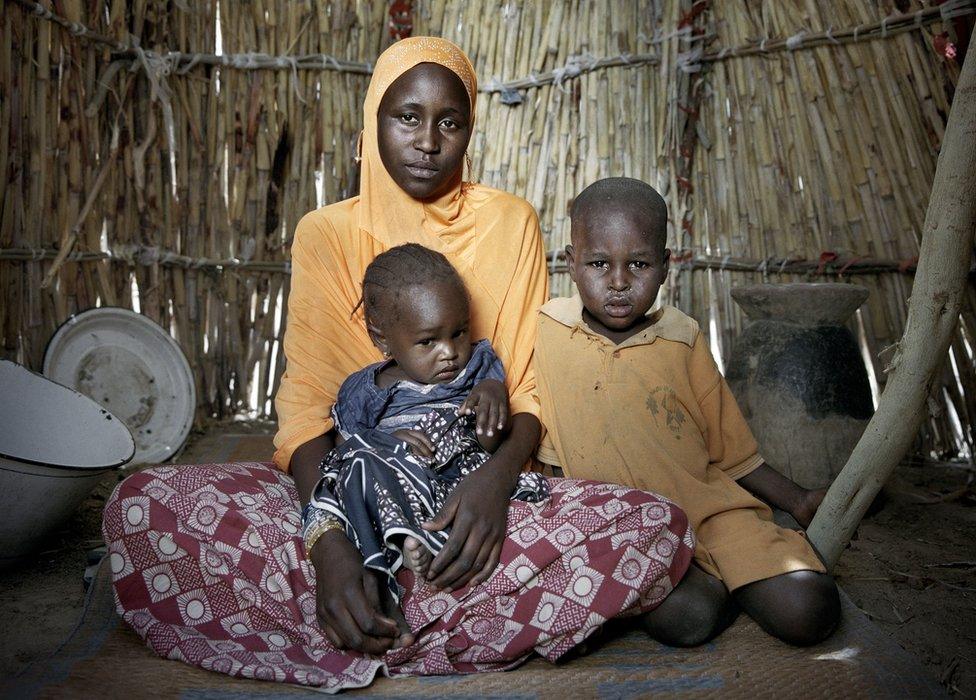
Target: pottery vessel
55, 446
799, 377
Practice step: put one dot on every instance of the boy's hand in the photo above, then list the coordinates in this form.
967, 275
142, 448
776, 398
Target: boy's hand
489, 402
781, 492
807, 505
419, 442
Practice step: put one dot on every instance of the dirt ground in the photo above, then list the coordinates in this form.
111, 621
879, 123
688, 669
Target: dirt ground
911, 569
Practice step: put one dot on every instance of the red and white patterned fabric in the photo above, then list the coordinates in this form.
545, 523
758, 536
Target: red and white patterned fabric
209, 568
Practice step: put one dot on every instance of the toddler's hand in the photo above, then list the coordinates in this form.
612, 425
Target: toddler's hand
419, 443
489, 402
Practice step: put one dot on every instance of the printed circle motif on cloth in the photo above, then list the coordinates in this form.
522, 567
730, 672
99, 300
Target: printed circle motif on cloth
134, 514
568, 536
546, 612
583, 586
194, 610
630, 569
116, 562
166, 545
655, 513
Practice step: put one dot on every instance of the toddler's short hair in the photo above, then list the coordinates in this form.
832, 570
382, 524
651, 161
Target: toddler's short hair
396, 270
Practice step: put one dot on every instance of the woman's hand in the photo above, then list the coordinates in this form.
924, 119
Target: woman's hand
347, 599
476, 512
489, 402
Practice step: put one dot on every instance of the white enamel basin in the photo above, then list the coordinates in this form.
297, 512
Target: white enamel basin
55, 446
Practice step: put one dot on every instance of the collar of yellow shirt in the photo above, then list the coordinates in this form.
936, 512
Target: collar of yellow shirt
668, 323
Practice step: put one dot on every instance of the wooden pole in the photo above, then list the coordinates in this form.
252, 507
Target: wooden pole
938, 293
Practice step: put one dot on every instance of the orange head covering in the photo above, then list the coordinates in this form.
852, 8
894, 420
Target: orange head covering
388, 213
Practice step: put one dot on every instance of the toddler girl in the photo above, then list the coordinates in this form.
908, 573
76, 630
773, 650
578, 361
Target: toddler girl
413, 426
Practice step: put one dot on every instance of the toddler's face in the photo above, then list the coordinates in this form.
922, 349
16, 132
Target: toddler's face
618, 269
423, 127
428, 333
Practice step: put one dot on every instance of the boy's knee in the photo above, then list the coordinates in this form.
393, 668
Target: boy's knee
692, 627
816, 613
694, 613
801, 608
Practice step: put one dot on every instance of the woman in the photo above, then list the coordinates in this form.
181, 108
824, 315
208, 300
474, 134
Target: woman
511, 579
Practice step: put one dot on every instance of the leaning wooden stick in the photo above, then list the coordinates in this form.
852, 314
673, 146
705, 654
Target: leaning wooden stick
940, 284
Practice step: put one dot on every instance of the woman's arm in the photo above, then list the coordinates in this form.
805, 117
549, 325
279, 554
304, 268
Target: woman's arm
324, 343
305, 464
477, 511
347, 597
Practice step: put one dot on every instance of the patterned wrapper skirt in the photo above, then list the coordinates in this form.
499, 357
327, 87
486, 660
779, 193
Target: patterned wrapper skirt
209, 568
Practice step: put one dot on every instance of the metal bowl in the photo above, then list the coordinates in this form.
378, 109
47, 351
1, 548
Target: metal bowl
55, 446
131, 367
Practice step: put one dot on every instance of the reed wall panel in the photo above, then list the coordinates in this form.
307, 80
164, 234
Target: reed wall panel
179, 195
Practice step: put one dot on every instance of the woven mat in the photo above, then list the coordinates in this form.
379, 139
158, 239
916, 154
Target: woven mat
103, 658
219, 447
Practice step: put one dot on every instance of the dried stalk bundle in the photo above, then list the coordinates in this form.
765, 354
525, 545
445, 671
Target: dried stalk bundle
179, 170
573, 125
827, 149
218, 186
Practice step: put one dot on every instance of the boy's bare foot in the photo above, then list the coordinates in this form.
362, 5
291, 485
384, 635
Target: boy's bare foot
416, 556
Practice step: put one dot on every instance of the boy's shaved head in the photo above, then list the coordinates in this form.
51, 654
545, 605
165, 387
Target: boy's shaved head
621, 194
618, 258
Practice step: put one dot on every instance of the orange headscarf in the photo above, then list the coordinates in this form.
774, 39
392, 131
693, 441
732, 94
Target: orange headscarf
386, 211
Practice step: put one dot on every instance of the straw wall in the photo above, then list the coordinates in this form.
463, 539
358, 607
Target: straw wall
250, 152
196, 218
821, 152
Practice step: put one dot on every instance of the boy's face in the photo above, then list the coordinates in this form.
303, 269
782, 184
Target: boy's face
427, 333
618, 269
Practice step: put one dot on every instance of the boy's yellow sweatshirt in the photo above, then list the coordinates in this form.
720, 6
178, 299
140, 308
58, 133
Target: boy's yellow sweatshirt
654, 413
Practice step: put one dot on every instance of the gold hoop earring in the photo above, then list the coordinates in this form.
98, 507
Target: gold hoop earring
467, 162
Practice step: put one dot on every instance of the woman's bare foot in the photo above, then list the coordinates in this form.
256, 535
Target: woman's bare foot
416, 556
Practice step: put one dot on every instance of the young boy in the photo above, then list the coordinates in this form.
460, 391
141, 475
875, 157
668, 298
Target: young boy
635, 398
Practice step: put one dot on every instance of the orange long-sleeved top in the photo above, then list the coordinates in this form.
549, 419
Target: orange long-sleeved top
493, 240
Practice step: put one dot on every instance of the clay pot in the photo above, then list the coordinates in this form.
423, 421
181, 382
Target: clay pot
799, 378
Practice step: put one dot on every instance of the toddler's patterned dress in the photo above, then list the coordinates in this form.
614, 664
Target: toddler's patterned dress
378, 487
